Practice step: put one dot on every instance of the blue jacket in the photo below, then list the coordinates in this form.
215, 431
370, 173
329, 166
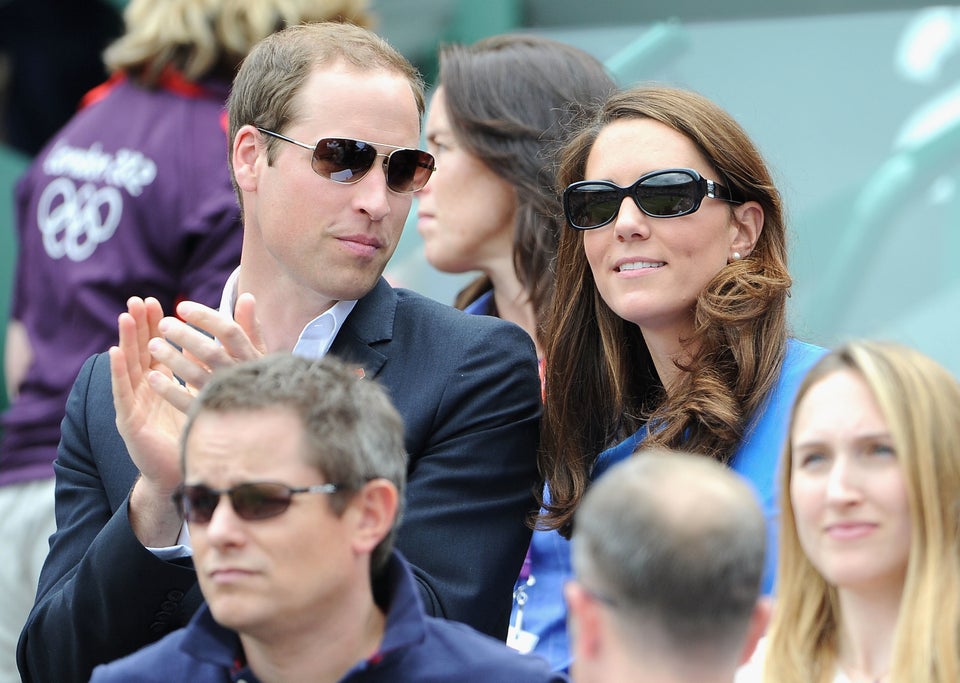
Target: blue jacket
544, 613
415, 648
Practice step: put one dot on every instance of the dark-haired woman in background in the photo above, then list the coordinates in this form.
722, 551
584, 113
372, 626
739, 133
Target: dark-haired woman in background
496, 120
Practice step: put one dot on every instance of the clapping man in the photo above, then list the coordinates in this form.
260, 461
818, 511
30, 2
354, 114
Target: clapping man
324, 121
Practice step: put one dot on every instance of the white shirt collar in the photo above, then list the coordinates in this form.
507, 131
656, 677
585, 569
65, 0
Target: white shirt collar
318, 334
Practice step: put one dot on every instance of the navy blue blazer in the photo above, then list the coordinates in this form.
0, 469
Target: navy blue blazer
468, 390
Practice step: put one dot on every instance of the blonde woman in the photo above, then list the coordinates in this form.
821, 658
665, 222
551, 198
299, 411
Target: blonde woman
869, 569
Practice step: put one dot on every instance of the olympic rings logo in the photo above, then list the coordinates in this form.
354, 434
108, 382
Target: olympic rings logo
73, 221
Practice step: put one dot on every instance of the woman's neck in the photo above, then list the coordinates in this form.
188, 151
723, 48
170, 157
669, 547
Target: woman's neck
512, 301
665, 350
866, 631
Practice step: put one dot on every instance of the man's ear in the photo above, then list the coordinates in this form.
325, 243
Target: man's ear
758, 626
583, 622
247, 148
748, 218
375, 509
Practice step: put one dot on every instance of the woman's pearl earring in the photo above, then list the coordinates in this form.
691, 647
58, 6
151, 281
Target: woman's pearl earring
736, 256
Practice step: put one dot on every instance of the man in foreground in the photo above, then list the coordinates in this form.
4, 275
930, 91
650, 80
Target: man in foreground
293, 479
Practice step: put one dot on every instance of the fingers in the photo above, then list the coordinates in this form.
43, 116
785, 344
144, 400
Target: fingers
127, 350
181, 363
195, 344
136, 327
143, 360
137, 309
154, 315
180, 397
120, 382
234, 342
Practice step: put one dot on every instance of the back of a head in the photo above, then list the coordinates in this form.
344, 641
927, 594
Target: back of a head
209, 38
676, 543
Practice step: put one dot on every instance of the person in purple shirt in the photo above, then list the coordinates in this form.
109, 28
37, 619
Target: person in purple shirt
132, 196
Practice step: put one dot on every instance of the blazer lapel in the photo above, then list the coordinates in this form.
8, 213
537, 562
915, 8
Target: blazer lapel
369, 323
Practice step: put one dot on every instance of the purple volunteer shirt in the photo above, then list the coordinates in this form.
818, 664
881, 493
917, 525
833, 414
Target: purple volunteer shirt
132, 197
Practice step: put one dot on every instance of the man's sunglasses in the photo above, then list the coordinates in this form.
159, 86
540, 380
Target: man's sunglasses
668, 193
252, 501
347, 161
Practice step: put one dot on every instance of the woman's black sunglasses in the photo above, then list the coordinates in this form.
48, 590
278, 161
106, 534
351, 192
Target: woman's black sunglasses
347, 161
667, 193
252, 501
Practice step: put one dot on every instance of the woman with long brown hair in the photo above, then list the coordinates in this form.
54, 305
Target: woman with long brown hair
668, 324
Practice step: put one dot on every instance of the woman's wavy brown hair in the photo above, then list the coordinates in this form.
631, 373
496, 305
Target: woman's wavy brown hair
600, 380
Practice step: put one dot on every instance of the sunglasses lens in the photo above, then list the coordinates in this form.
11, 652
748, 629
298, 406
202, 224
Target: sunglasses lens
260, 501
347, 161
197, 503
408, 170
342, 159
669, 194
249, 501
592, 205
665, 194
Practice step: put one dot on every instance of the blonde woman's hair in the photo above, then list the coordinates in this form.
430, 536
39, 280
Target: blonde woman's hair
209, 38
920, 402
